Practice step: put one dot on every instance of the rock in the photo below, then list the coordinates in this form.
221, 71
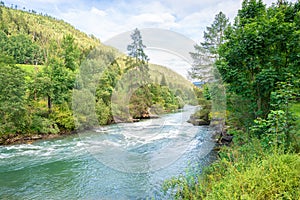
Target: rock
201, 122
226, 139
198, 122
36, 137
152, 116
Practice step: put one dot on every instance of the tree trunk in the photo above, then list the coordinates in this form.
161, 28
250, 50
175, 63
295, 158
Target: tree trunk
49, 104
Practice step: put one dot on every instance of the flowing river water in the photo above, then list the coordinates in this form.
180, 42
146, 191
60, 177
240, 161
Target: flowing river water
121, 161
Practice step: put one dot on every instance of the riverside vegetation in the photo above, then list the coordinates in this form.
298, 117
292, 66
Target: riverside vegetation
258, 59
40, 68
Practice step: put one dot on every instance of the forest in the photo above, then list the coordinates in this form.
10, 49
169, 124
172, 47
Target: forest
45, 62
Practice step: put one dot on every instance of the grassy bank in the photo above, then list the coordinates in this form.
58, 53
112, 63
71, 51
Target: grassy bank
247, 169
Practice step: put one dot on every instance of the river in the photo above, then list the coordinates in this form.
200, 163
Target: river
121, 161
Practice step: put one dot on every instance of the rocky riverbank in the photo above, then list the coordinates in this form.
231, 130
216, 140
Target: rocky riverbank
29, 138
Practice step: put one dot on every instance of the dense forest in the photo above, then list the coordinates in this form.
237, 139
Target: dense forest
45, 62
258, 59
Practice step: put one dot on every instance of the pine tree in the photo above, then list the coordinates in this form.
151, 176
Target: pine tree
136, 48
138, 60
207, 52
139, 77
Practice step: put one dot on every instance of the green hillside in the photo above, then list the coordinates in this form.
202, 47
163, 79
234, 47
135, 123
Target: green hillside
44, 62
42, 29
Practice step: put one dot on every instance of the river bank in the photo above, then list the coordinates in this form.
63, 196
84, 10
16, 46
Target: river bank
11, 139
27, 138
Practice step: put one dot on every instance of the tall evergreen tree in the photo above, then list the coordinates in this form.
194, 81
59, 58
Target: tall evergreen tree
139, 77
214, 36
138, 60
136, 48
207, 52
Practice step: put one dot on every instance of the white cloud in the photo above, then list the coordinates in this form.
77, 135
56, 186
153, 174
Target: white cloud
189, 18
98, 12
105, 19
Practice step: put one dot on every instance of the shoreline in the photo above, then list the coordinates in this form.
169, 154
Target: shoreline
27, 138
13, 139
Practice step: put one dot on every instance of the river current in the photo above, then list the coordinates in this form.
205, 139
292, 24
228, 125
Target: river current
121, 161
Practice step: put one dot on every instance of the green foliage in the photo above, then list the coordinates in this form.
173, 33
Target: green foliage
44, 91
275, 177
12, 97
259, 62
85, 115
42, 125
213, 38
43, 29
139, 63
259, 52
71, 53
136, 48
103, 113
273, 130
294, 133
243, 172
179, 85
62, 115
206, 92
24, 50
38, 100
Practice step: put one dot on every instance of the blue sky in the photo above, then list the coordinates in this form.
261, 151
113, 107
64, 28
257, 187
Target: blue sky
107, 18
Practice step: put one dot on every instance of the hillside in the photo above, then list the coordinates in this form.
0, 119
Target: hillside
42, 28
45, 63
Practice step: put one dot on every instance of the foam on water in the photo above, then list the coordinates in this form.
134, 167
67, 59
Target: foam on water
119, 161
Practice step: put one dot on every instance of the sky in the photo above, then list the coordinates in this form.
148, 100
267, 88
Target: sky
107, 19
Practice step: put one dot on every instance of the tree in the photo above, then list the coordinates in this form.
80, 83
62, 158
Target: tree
163, 81
259, 52
214, 36
12, 97
136, 48
207, 52
137, 63
138, 60
70, 52
3, 42
57, 78
23, 50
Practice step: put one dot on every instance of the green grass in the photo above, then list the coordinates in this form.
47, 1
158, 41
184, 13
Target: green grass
30, 69
243, 175
275, 177
295, 108
295, 136
247, 171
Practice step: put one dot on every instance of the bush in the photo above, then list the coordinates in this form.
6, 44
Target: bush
242, 174
63, 116
276, 177
43, 125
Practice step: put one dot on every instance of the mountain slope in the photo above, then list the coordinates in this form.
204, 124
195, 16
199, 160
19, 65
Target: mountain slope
42, 28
